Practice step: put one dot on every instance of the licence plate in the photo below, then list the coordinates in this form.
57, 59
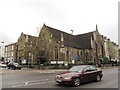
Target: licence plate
58, 80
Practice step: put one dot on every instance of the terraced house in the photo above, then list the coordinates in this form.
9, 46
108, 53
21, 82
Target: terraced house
62, 47
10, 52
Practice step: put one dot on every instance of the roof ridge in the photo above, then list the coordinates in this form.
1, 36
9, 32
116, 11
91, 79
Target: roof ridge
60, 30
30, 35
85, 33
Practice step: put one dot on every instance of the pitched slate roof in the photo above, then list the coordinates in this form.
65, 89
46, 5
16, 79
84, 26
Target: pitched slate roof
31, 38
82, 41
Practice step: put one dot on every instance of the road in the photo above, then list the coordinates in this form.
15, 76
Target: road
42, 79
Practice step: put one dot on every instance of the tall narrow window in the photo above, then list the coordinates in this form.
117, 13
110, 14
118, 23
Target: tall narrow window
6, 48
67, 56
11, 53
81, 53
12, 47
42, 45
78, 53
72, 55
44, 42
56, 53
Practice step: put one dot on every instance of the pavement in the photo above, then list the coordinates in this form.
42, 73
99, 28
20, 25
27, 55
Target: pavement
5, 71
28, 78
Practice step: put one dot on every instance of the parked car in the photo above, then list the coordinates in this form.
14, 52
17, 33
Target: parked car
2, 64
79, 74
14, 65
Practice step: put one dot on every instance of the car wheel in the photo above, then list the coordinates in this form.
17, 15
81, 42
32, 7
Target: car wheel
76, 82
19, 68
8, 67
14, 68
98, 78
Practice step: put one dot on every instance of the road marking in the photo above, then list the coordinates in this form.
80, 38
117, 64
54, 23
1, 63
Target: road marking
29, 81
14, 83
31, 84
50, 81
17, 86
26, 83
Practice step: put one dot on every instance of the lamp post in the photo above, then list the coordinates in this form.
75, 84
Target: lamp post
2, 41
1, 51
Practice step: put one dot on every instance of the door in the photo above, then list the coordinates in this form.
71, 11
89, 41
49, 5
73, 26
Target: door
86, 75
93, 71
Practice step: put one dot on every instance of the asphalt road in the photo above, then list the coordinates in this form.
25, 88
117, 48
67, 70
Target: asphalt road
43, 79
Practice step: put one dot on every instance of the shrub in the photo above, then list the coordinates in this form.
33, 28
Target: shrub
56, 66
46, 63
69, 63
80, 63
105, 60
90, 62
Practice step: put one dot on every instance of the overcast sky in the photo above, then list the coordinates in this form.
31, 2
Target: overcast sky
25, 16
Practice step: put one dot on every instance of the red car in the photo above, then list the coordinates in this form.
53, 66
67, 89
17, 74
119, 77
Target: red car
79, 74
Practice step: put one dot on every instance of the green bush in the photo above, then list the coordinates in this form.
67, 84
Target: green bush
56, 66
70, 63
105, 60
46, 64
80, 63
90, 62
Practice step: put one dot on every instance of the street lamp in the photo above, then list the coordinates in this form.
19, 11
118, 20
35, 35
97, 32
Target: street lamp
72, 32
2, 41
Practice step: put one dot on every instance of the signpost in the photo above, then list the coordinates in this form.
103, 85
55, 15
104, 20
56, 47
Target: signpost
60, 62
73, 61
24, 61
53, 62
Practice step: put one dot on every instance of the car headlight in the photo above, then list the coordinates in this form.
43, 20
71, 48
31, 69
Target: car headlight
67, 77
58, 76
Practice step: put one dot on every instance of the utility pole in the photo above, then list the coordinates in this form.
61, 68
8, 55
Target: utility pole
72, 32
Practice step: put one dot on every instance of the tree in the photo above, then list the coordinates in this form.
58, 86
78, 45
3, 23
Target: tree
42, 56
105, 60
111, 50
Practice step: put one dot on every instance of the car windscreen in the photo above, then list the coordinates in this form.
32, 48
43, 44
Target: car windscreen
16, 64
76, 69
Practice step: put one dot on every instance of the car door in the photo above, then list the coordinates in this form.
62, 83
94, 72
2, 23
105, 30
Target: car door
86, 74
93, 71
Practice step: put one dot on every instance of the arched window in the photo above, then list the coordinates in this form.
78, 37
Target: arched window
56, 53
43, 42
67, 56
72, 55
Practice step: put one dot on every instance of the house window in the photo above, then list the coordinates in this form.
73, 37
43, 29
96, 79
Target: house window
8, 54
11, 53
56, 53
6, 49
63, 50
5, 54
9, 48
67, 56
12, 47
50, 41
